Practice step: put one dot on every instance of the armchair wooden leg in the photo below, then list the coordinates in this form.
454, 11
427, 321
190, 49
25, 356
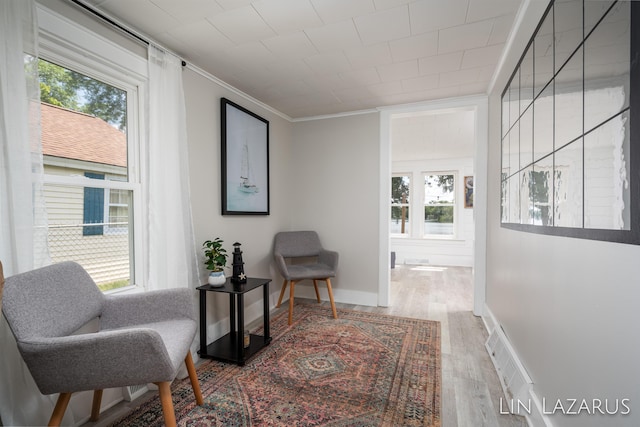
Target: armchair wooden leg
167, 403
193, 377
292, 285
95, 407
60, 408
284, 286
333, 304
315, 285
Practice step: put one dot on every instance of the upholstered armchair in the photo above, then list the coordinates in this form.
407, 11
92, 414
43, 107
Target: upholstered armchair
143, 338
298, 255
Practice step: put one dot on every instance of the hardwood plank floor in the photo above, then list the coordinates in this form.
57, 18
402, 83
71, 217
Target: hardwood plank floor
471, 389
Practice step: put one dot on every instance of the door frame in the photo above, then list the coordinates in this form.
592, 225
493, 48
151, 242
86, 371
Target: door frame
480, 104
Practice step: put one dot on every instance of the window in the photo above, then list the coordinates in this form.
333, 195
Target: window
439, 204
567, 114
90, 186
400, 189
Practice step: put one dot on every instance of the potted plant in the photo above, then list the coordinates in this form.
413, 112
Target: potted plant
215, 258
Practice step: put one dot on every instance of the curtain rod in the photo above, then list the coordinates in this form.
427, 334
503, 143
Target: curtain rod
113, 23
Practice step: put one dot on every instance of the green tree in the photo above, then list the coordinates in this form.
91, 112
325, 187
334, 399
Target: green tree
400, 194
105, 101
65, 88
58, 86
445, 182
399, 189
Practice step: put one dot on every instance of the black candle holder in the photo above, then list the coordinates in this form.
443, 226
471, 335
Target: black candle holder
238, 276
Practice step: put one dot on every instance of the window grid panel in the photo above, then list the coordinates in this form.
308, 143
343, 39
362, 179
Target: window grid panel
581, 89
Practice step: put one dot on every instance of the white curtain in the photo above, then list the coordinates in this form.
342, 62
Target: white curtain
171, 246
23, 232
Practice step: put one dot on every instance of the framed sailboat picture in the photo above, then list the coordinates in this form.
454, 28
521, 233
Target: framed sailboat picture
245, 161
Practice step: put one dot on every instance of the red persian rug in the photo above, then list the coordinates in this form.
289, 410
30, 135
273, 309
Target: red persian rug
362, 369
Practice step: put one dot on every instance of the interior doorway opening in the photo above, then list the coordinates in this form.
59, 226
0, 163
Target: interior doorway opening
433, 170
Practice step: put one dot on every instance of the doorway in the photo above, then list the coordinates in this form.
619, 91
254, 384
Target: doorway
434, 169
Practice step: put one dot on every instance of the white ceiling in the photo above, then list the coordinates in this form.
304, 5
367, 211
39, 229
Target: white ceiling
439, 134
317, 57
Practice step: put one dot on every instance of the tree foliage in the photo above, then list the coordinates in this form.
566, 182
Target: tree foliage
399, 189
66, 88
58, 86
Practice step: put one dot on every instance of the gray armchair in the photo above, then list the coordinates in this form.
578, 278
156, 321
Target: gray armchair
143, 338
307, 260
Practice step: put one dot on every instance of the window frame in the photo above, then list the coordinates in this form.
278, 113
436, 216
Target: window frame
108, 229
408, 205
72, 46
454, 204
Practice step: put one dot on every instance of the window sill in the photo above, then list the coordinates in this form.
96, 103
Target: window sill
131, 289
426, 239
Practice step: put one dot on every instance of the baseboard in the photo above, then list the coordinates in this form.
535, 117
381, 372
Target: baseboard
517, 385
488, 320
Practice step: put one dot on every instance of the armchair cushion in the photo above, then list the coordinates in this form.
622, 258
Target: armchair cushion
97, 360
297, 245
142, 338
51, 301
148, 307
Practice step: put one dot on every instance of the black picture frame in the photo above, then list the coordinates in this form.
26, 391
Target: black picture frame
245, 161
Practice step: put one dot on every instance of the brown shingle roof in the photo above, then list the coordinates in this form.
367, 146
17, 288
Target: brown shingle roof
73, 135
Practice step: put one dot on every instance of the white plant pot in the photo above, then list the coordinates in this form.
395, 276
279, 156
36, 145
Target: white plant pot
217, 278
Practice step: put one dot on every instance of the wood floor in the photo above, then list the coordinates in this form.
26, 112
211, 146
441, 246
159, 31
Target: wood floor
471, 390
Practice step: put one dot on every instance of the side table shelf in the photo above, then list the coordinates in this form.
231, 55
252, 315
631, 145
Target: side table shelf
230, 347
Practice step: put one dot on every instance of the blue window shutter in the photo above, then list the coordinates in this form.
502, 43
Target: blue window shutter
93, 207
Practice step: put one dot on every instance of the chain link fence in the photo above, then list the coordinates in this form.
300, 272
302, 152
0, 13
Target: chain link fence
105, 254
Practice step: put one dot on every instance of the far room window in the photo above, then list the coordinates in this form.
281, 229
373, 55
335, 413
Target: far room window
439, 204
89, 185
400, 189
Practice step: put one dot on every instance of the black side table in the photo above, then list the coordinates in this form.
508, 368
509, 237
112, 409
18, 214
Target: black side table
230, 348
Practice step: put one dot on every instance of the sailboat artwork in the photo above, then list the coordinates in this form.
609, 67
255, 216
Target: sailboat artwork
245, 161
246, 176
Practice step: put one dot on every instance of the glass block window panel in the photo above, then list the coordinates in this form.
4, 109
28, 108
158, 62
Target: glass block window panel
594, 10
504, 199
566, 154
526, 79
514, 100
506, 170
606, 175
568, 102
514, 198
543, 124
542, 192
514, 148
567, 204
505, 113
568, 30
607, 67
526, 196
543, 53
526, 137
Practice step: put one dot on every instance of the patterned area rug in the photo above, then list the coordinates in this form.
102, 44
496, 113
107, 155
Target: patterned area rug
360, 370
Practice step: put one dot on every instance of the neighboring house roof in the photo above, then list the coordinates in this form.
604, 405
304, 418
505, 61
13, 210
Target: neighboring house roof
73, 135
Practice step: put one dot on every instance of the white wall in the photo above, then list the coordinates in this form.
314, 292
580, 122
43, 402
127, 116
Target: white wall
335, 176
568, 306
255, 233
457, 251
